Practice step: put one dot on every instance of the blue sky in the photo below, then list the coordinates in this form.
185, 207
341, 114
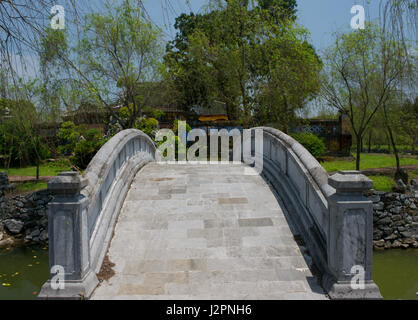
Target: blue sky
320, 17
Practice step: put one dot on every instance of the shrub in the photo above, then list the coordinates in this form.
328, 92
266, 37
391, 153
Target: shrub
148, 126
311, 142
87, 148
68, 136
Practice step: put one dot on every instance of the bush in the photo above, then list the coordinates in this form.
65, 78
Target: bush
148, 126
311, 142
20, 142
87, 148
68, 136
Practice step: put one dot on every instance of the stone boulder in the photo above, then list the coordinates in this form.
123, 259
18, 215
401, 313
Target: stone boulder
13, 226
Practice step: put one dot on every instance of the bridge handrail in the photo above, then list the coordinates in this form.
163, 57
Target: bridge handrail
113, 153
318, 173
84, 211
331, 214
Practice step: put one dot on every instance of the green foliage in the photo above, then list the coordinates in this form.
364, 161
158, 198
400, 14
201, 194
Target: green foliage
176, 125
241, 54
78, 142
311, 142
368, 161
148, 126
21, 144
68, 136
121, 53
87, 148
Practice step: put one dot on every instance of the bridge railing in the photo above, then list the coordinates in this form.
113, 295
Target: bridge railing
83, 213
331, 214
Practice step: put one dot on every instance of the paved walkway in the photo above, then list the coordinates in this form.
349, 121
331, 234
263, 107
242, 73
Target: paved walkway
205, 232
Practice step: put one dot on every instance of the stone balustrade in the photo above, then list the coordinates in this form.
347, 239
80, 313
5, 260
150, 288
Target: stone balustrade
83, 213
331, 214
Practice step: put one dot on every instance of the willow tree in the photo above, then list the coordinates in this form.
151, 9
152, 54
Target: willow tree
120, 53
361, 71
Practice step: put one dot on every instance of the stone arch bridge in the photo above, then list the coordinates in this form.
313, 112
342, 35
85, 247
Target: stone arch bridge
216, 231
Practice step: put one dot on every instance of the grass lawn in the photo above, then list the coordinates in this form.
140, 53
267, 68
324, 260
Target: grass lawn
47, 169
367, 161
382, 183
29, 187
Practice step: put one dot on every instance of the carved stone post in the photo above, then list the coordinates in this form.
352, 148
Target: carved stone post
68, 240
350, 243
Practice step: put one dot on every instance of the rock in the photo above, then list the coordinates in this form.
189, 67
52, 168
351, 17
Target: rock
396, 244
408, 240
384, 221
35, 233
44, 236
396, 210
378, 193
391, 237
378, 206
6, 243
379, 243
14, 226
406, 234
412, 206
375, 198
396, 217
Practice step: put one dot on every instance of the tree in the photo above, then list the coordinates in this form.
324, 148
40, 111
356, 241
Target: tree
120, 51
21, 142
235, 53
362, 69
409, 120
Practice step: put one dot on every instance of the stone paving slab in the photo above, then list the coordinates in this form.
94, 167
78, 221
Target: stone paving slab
205, 232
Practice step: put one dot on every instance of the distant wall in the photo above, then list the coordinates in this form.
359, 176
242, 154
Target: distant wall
335, 133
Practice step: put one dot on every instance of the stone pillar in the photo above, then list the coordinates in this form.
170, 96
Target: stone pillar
350, 241
68, 240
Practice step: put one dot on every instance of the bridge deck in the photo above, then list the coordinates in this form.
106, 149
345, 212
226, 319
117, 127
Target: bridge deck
205, 232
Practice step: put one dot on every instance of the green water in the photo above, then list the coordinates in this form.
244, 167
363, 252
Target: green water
395, 271
23, 270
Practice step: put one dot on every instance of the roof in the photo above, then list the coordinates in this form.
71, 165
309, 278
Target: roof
217, 108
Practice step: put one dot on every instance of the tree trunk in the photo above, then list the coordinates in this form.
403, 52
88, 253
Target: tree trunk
358, 151
370, 141
395, 150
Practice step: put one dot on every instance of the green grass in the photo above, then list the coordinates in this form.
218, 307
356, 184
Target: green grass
367, 161
382, 183
47, 169
29, 187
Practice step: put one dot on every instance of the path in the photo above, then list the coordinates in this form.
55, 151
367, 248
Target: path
205, 232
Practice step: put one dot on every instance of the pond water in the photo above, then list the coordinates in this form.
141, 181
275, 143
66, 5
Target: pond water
23, 271
395, 271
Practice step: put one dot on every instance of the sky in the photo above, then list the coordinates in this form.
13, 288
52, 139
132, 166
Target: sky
320, 17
